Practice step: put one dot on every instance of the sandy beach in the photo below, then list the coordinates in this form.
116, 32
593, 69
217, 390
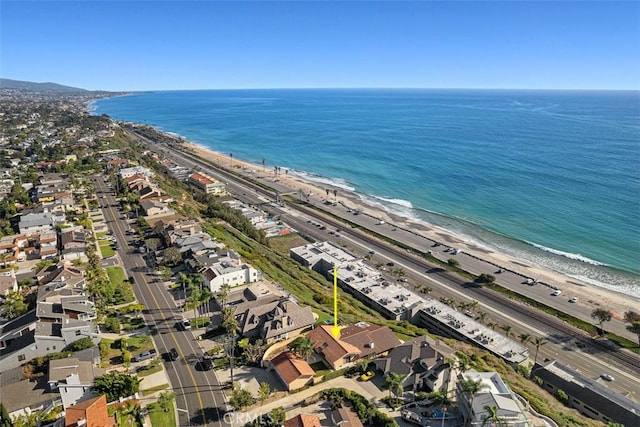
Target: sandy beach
587, 294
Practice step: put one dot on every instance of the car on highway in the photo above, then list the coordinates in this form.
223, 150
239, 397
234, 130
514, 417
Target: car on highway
607, 377
573, 299
556, 292
367, 376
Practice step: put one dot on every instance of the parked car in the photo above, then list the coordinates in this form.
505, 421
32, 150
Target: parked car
367, 376
145, 355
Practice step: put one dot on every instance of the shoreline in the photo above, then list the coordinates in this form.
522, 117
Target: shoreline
587, 293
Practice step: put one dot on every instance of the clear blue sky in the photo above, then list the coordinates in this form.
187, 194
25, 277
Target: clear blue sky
148, 45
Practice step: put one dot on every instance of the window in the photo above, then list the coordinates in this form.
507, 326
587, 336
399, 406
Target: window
21, 357
77, 333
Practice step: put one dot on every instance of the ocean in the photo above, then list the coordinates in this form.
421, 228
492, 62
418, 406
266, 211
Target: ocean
550, 177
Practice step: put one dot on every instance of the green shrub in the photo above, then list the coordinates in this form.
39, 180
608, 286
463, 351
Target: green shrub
112, 324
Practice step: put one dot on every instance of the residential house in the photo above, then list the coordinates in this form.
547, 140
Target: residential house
303, 420
275, 321
422, 361
89, 413
294, 371
135, 170
345, 416
151, 208
73, 379
73, 243
335, 352
36, 222
587, 395
494, 392
8, 283
231, 272
371, 340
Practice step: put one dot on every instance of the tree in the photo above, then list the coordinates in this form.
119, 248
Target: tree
492, 417
264, 391
538, 342
223, 295
601, 315
471, 387
152, 244
115, 386
14, 305
393, 382
508, 330
171, 256
253, 352
485, 278
453, 263
240, 399
5, 421
278, 415
81, 344
524, 338
631, 316
302, 346
439, 397
634, 328
165, 400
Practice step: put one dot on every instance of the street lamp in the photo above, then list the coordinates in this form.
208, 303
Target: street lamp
444, 414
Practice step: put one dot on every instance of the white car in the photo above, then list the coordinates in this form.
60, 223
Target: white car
607, 377
573, 299
556, 292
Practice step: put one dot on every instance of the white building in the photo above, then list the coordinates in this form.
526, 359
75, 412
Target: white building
73, 378
494, 393
228, 272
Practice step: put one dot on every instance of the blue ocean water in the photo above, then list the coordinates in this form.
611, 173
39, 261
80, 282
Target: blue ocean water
551, 177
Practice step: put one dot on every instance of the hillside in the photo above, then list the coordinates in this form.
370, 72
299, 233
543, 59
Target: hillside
38, 87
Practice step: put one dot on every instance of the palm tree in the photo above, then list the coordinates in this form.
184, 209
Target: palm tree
634, 328
230, 323
335, 195
263, 163
302, 346
472, 388
393, 382
482, 316
538, 342
231, 156
524, 338
492, 417
507, 330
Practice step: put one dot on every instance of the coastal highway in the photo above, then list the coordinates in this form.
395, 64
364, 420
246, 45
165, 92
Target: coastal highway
592, 359
199, 396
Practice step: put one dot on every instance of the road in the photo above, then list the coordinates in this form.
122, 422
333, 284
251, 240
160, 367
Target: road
199, 396
593, 359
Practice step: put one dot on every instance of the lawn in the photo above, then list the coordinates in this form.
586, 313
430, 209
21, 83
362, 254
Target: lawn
152, 390
159, 418
320, 369
101, 234
323, 317
116, 275
105, 249
140, 343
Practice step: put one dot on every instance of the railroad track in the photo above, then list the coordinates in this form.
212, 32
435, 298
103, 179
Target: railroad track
625, 358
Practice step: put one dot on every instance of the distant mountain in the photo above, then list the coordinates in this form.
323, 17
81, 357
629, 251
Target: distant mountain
38, 87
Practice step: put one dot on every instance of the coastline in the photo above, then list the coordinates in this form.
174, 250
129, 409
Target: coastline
588, 294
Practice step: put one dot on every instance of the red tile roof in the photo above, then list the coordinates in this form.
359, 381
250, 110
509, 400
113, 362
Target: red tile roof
291, 367
303, 420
